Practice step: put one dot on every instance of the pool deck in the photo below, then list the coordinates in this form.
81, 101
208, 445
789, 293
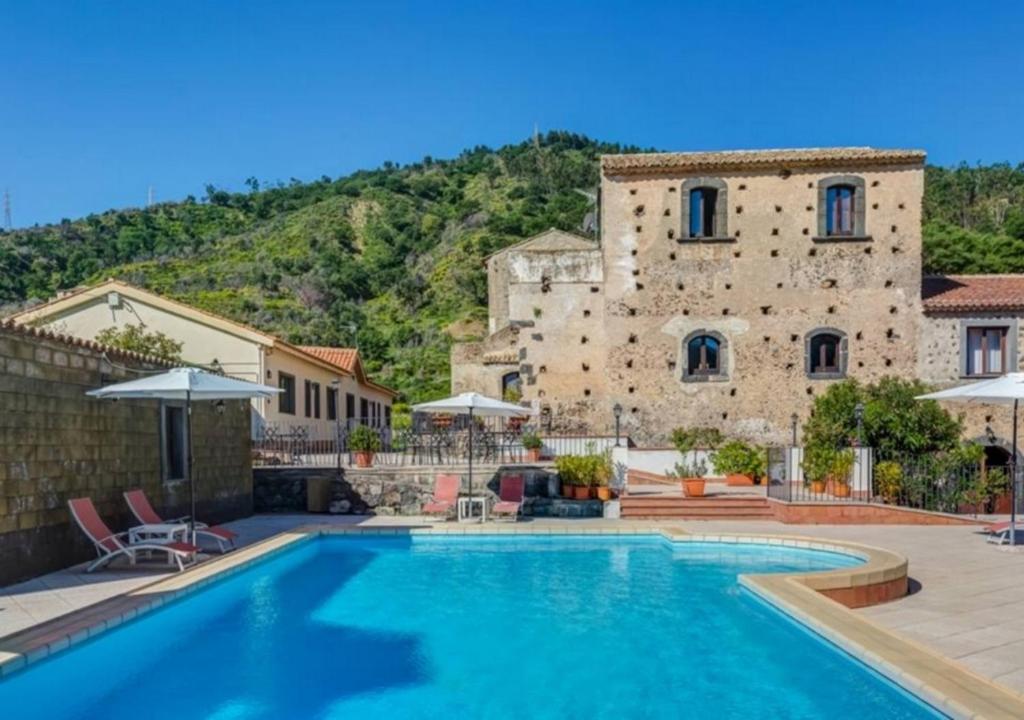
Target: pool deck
966, 605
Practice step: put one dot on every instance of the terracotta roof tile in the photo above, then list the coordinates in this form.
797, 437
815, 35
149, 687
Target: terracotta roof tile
758, 159
973, 293
345, 358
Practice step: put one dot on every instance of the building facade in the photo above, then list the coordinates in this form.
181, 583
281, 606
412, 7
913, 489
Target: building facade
321, 386
729, 289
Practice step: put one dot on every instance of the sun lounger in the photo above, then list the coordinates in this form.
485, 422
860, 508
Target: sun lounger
510, 497
999, 533
446, 496
110, 545
145, 514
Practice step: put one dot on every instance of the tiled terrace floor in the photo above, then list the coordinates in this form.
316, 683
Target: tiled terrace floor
968, 604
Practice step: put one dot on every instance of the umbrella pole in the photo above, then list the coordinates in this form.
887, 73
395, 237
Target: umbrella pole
1013, 480
471, 462
191, 476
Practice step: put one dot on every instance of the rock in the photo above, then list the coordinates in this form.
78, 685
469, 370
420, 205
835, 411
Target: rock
339, 507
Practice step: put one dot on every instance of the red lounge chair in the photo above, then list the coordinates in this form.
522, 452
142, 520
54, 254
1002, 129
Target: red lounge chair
510, 496
446, 496
109, 545
999, 533
145, 514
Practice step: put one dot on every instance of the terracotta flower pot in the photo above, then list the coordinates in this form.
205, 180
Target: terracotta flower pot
364, 458
533, 455
693, 487
567, 491
604, 493
738, 479
841, 489
817, 487
581, 492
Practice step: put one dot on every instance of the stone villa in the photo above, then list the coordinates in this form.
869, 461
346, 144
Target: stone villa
729, 288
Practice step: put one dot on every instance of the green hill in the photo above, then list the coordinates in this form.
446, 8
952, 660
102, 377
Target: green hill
392, 258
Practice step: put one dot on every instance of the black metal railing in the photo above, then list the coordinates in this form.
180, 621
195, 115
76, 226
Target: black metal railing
439, 441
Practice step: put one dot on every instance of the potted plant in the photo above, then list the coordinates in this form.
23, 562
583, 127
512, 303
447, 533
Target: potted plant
889, 480
567, 469
364, 442
741, 464
839, 472
817, 465
691, 477
533, 444
602, 476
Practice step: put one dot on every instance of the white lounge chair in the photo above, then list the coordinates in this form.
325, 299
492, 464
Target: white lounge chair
109, 545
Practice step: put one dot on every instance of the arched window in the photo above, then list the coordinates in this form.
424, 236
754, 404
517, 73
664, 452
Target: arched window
705, 208
704, 356
826, 353
511, 387
841, 207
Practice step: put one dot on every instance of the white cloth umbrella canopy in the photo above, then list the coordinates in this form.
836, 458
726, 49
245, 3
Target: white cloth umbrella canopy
473, 404
1004, 390
186, 384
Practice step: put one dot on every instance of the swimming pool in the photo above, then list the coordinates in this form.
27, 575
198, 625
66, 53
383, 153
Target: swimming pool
463, 627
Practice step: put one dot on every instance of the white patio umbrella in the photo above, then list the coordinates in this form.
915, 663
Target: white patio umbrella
186, 384
472, 404
1005, 390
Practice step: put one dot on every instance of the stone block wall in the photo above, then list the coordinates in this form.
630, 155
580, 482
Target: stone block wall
56, 443
403, 491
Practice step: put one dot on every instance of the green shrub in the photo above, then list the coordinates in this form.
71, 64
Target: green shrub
531, 440
738, 458
363, 439
888, 480
689, 469
584, 470
703, 438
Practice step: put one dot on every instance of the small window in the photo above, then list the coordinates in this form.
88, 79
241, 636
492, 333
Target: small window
840, 203
312, 399
332, 403
350, 406
174, 451
986, 350
511, 387
364, 410
826, 354
286, 400
387, 416
703, 202
703, 355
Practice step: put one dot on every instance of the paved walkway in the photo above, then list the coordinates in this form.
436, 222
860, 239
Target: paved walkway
968, 602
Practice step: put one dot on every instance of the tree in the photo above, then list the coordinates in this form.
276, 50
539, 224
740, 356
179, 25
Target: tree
894, 421
134, 338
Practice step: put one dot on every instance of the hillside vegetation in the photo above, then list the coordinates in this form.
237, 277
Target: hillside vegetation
392, 259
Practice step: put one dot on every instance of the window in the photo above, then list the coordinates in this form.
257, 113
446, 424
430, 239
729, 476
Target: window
364, 410
332, 403
350, 406
286, 400
173, 448
841, 208
987, 350
511, 387
703, 355
387, 416
702, 212
839, 201
705, 208
826, 353
312, 399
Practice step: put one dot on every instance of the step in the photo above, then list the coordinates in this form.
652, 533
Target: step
688, 503
677, 513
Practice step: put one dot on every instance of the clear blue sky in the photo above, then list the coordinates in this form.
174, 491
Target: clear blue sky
100, 100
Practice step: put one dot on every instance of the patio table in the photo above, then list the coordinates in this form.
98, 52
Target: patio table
158, 532
466, 507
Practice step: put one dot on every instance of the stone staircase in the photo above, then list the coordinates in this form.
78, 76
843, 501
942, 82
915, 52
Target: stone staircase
725, 507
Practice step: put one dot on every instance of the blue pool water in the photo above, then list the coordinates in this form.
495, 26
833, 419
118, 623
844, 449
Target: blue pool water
468, 628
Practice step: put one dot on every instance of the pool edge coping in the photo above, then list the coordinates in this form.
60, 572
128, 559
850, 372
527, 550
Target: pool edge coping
937, 680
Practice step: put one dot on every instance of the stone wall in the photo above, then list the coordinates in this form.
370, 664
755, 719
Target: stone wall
56, 443
403, 491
